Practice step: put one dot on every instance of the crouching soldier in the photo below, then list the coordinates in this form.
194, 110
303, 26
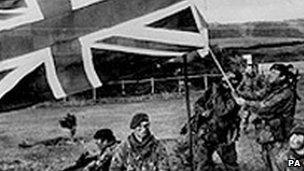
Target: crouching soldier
98, 153
141, 151
293, 158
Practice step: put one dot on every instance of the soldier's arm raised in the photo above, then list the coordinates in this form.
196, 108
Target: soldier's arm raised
273, 105
255, 95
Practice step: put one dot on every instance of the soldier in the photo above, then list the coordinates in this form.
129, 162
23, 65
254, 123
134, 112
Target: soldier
141, 151
98, 153
275, 112
294, 154
215, 126
253, 87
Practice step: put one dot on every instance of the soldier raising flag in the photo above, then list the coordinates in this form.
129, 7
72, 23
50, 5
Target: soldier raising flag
275, 112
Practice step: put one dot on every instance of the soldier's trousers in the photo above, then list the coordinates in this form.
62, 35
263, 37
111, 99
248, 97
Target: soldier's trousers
270, 153
203, 157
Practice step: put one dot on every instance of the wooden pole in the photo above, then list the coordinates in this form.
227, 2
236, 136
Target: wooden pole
179, 86
152, 85
188, 110
222, 71
123, 91
65, 99
206, 82
94, 94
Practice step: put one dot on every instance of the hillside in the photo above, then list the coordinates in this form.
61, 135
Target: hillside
267, 41
284, 29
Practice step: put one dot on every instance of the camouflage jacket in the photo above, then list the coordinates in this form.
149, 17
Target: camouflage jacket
281, 162
276, 112
276, 104
216, 115
253, 87
103, 160
94, 158
150, 155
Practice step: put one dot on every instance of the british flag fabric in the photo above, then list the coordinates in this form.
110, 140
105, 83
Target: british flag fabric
57, 37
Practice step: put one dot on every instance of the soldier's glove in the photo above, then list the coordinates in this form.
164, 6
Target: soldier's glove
240, 101
265, 136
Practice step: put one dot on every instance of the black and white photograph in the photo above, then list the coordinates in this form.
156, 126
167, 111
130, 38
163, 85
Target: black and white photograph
151, 85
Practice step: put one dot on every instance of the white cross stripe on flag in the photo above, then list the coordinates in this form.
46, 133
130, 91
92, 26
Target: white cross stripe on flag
76, 4
138, 29
169, 43
28, 13
23, 65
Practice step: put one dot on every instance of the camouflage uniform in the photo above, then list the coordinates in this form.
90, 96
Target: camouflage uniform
252, 87
276, 112
215, 126
275, 120
131, 155
94, 159
103, 160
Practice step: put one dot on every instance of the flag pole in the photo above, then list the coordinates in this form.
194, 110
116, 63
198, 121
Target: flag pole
222, 71
187, 98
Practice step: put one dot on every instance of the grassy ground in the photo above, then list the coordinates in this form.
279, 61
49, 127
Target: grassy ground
42, 123
36, 124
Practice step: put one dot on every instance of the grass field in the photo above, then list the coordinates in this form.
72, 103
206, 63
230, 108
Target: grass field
36, 124
42, 123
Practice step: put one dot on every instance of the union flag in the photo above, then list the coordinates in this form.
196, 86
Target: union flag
47, 46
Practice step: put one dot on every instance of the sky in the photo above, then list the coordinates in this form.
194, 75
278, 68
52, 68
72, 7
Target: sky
236, 11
